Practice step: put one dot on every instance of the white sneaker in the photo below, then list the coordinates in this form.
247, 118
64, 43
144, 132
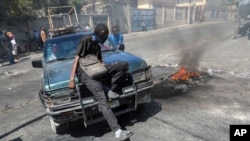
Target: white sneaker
112, 95
123, 135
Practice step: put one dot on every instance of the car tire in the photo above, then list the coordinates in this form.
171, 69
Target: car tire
58, 128
248, 36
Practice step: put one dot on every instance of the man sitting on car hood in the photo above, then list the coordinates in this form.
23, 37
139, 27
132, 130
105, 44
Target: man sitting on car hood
91, 45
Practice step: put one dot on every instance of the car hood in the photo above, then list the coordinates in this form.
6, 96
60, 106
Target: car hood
57, 74
134, 62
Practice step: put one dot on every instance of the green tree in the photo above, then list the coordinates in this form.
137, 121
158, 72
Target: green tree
45, 4
17, 10
3, 13
78, 4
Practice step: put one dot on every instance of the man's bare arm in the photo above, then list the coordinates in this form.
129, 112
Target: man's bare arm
73, 72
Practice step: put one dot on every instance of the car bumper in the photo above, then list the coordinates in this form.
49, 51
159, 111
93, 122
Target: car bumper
73, 110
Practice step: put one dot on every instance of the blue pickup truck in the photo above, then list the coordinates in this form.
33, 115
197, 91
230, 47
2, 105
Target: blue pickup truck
64, 105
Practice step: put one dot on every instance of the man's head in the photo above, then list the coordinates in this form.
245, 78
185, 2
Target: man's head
101, 32
10, 35
57, 51
115, 30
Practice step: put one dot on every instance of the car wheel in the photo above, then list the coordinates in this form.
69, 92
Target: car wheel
248, 36
58, 128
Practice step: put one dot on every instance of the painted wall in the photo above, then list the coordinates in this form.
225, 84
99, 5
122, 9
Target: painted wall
185, 3
144, 4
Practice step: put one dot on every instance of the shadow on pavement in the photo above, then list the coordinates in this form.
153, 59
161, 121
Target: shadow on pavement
21, 126
238, 36
160, 91
23, 59
143, 112
16, 139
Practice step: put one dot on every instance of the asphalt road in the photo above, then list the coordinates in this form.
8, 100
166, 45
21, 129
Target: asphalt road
204, 113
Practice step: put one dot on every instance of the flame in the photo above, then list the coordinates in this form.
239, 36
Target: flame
183, 75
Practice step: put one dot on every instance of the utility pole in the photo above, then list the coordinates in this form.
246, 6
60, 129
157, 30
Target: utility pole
189, 11
93, 6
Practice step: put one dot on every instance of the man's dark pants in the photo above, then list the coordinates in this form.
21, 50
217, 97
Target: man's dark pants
10, 55
2, 53
117, 71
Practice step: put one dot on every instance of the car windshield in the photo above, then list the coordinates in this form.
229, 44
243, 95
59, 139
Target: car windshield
65, 48
61, 48
107, 47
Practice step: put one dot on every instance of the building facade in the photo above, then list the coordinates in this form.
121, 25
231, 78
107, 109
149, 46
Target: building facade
149, 4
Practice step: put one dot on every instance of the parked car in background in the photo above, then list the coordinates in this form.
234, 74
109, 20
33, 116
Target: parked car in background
243, 18
64, 105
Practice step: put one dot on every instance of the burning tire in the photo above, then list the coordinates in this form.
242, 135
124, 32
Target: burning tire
182, 80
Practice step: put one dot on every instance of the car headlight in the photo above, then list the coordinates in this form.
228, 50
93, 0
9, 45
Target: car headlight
148, 75
128, 89
61, 100
88, 100
140, 76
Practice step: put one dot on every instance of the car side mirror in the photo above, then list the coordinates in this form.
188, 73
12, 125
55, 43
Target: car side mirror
37, 64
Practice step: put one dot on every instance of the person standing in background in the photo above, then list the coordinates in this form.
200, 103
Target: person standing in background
50, 34
37, 39
143, 26
87, 28
116, 39
43, 36
14, 46
8, 46
27, 41
2, 49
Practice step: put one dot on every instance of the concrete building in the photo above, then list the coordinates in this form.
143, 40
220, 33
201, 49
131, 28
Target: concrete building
194, 9
149, 4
